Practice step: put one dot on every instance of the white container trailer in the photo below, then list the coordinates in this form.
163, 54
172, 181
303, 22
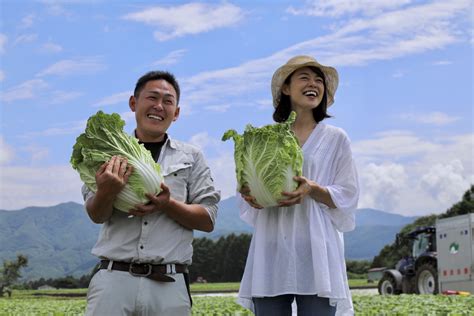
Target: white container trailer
455, 248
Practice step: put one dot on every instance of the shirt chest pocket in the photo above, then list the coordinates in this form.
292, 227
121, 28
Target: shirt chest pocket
176, 178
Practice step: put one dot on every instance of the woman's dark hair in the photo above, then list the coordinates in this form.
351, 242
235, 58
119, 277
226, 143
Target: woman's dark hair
157, 75
283, 110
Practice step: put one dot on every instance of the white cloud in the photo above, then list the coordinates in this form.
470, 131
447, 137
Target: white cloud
264, 104
77, 66
170, 59
223, 172
336, 8
35, 89
433, 118
411, 21
386, 36
25, 38
443, 63
45, 186
3, 42
203, 141
121, 97
394, 145
6, 152
218, 108
27, 21
445, 181
2, 75
239, 81
398, 74
425, 180
59, 97
129, 118
27, 90
382, 185
64, 129
38, 154
50, 47
190, 18
221, 164
56, 7
74, 128
391, 34
58, 10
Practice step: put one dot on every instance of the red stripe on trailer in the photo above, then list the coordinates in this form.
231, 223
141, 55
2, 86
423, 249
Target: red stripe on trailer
466, 271
445, 273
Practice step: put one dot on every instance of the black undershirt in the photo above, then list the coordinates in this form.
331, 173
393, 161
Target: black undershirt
154, 147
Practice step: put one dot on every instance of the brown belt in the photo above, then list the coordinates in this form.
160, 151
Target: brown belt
156, 272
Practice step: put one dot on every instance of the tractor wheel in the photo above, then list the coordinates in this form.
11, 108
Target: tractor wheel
387, 285
426, 279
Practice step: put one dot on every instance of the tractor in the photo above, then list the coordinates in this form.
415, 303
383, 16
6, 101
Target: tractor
416, 273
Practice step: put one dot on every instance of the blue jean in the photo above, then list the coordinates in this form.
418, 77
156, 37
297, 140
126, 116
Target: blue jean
307, 305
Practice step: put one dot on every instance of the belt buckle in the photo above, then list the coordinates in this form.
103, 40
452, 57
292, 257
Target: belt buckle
132, 264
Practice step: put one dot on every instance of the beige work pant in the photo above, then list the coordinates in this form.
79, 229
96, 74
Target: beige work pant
118, 293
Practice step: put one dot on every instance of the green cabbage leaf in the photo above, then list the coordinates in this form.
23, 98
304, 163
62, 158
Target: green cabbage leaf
103, 138
266, 160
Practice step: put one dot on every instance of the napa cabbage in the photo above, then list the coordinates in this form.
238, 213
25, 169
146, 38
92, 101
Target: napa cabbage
266, 160
103, 138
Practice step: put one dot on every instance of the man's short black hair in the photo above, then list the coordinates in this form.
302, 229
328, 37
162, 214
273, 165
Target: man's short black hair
157, 75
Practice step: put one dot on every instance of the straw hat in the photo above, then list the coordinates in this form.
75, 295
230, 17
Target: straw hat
282, 73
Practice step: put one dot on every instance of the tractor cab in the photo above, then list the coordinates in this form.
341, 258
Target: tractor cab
424, 241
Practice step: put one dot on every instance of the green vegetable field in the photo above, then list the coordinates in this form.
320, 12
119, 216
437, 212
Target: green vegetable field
63, 302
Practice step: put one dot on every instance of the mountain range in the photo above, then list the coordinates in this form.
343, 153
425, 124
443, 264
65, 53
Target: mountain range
58, 239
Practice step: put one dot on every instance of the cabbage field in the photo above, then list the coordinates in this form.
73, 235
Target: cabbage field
28, 303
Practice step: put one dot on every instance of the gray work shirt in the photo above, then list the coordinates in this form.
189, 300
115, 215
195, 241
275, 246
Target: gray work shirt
156, 238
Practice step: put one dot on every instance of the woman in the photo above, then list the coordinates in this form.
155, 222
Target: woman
297, 249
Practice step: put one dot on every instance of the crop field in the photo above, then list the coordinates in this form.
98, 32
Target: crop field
72, 302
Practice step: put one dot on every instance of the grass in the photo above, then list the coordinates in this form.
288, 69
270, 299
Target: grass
361, 283
196, 288
214, 287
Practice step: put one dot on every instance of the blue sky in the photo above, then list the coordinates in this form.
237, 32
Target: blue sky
405, 95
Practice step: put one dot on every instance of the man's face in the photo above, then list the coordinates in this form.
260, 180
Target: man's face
155, 109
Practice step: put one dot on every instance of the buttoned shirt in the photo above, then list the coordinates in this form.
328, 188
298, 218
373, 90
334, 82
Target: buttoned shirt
156, 238
300, 249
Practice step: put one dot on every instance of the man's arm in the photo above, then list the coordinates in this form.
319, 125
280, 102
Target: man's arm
191, 216
99, 207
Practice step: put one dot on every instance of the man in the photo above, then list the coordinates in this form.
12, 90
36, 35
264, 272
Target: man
145, 253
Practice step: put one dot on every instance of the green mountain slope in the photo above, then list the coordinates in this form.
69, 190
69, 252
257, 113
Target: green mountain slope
57, 240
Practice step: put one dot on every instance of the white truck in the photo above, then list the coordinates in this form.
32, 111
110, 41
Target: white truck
455, 249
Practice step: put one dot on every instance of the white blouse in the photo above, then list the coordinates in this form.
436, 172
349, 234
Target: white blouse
300, 249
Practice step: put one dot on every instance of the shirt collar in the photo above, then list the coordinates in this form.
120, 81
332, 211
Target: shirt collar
169, 141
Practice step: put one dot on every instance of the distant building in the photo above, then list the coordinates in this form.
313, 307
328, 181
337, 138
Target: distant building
375, 274
46, 287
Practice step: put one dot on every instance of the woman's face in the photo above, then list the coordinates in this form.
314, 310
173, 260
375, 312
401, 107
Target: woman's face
306, 89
